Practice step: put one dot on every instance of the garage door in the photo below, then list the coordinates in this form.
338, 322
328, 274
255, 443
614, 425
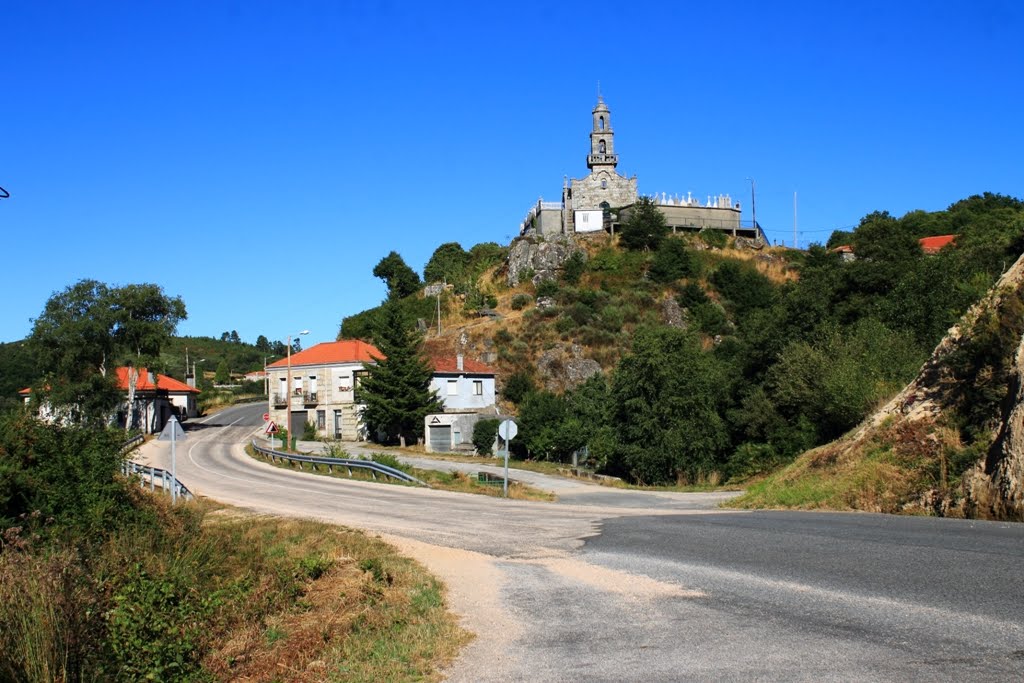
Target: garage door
441, 439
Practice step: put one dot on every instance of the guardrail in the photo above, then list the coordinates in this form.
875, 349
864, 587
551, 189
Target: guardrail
374, 468
132, 443
155, 476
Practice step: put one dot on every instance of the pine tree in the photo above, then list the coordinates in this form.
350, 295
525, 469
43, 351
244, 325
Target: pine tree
397, 392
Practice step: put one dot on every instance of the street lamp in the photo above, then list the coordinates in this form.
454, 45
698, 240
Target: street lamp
288, 383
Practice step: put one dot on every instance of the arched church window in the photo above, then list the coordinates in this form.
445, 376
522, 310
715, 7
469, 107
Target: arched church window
604, 184
600, 124
600, 146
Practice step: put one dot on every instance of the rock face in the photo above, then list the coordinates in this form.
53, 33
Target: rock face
994, 487
672, 314
565, 368
540, 259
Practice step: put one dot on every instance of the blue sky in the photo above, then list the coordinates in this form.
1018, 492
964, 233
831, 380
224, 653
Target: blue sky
258, 159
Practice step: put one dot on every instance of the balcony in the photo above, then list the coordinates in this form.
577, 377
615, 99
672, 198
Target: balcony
602, 159
280, 400
309, 398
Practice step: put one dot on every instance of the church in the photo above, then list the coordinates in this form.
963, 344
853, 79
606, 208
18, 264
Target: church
602, 200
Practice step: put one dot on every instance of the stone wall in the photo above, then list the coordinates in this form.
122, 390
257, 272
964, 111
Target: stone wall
587, 193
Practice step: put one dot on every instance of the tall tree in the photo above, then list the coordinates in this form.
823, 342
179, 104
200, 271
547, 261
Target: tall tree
399, 277
87, 328
397, 392
646, 227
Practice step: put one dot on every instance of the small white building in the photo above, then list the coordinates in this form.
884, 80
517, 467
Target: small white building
463, 385
466, 387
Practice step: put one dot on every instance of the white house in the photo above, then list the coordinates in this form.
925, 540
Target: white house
463, 385
466, 387
157, 397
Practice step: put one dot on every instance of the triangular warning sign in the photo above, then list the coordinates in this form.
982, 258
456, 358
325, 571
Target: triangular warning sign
271, 427
436, 420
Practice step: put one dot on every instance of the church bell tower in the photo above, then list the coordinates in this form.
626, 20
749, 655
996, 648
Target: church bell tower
602, 140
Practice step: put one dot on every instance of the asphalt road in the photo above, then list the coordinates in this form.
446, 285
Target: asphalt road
603, 587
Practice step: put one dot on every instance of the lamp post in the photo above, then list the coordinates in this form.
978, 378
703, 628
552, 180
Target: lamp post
753, 204
288, 384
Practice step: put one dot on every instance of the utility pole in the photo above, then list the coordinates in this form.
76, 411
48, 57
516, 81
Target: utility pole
753, 203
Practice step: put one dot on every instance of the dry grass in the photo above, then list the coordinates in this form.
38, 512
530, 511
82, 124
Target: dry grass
371, 615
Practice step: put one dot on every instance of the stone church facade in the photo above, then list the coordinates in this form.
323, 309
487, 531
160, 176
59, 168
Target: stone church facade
602, 200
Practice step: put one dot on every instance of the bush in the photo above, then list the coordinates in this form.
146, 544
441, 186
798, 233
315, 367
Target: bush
672, 261
572, 269
714, 238
502, 337
483, 435
547, 288
521, 301
309, 431
391, 461
518, 386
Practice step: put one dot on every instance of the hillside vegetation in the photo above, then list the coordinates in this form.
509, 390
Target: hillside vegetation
689, 360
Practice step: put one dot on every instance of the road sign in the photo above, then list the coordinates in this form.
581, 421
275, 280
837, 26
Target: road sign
266, 417
507, 430
271, 428
172, 431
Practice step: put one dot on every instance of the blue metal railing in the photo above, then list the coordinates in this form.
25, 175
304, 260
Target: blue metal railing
374, 468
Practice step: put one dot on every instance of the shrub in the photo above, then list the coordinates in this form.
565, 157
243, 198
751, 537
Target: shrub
672, 261
714, 238
547, 288
309, 431
520, 301
502, 337
572, 269
314, 566
483, 435
518, 386
391, 461
491, 300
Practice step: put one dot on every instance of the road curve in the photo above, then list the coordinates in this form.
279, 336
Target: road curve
607, 589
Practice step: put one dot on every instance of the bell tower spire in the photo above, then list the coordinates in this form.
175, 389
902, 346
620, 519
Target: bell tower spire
602, 139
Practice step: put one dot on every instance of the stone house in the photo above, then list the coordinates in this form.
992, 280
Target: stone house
322, 388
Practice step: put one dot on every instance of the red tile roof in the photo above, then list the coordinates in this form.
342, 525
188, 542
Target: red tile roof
843, 249
450, 364
143, 383
345, 351
933, 245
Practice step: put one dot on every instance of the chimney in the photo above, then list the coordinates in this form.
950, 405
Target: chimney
459, 363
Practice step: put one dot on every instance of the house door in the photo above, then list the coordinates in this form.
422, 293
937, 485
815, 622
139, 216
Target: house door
297, 423
441, 438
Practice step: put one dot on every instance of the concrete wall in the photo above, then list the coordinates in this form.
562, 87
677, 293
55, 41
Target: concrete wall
464, 399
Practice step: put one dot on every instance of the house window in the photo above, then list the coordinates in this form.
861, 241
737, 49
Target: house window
478, 387
321, 420
453, 387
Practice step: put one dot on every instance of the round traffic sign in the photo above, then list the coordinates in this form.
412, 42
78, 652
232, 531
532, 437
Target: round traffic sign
266, 417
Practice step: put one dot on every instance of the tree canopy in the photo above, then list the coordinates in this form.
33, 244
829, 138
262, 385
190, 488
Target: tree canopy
89, 328
400, 279
397, 392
